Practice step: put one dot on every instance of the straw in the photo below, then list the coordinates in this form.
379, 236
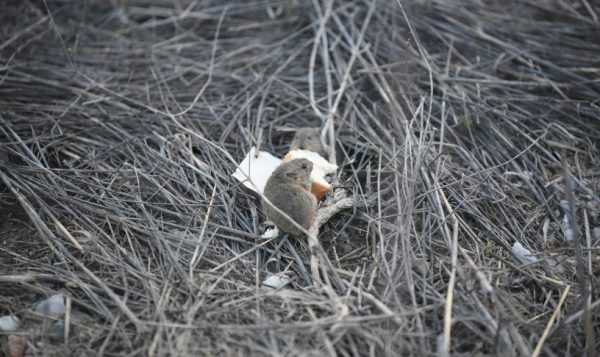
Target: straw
121, 123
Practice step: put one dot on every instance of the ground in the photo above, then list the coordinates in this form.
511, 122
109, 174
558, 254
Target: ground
470, 126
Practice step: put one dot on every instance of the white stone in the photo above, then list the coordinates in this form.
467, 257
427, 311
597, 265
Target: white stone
523, 252
9, 323
276, 281
566, 225
53, 306
271, 233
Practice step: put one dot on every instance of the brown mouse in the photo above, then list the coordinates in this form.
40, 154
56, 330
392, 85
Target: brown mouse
308, 139
288, 188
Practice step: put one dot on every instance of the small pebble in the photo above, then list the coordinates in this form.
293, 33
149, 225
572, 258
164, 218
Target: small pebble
57, 331
523, 252
419, 265
9, 323
53, 306
276, 281
271, 233
596, 234
16, 346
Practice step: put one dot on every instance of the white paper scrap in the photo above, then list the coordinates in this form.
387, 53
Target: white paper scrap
254, 171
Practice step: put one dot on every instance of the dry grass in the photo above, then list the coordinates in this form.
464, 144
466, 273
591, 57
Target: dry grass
121, 122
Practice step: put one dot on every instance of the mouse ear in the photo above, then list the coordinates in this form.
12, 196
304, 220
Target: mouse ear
293, 175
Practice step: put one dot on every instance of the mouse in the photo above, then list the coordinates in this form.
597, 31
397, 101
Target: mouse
308, 139
288, 188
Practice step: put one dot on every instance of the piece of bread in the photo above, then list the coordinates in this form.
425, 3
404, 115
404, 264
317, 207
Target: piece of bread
321, 168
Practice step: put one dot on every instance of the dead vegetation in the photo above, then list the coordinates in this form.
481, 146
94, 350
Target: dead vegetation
121, 123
